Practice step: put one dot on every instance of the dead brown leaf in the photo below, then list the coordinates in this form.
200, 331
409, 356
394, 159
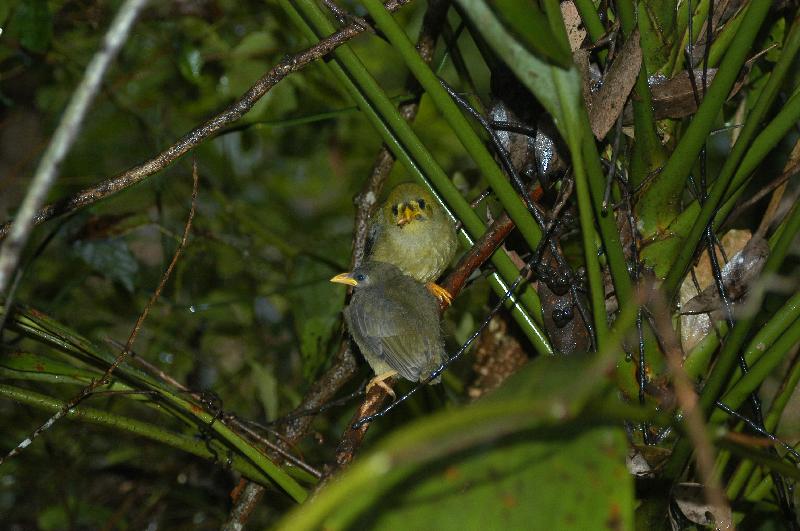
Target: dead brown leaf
607, 103
675, 97
576, 33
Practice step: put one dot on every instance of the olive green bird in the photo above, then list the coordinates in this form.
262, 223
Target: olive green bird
412, 231
394, 320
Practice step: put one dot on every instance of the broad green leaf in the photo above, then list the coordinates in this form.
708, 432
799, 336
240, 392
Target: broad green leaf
267, 386
498, 460
518, 483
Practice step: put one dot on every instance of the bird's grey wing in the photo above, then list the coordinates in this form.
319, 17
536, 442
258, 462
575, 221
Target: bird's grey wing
414, 358
381, 323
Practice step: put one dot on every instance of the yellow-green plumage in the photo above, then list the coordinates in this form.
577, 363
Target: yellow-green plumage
412, 231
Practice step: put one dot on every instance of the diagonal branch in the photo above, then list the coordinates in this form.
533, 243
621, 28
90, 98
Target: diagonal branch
198, 135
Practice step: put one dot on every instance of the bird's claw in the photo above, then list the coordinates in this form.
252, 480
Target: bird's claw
440, 293
380, 382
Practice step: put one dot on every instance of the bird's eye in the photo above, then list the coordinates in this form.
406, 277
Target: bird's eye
360, 277
421, 203
394, 210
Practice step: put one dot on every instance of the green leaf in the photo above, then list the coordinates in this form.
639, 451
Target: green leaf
190, 65
32, 24
111, 258
267, 386
29, 366
316, 305
511, 485
529, 23
494, 464
536, 74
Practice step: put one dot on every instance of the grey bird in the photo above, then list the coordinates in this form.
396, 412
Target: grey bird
394, 320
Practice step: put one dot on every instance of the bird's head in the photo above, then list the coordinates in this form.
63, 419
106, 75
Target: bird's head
368, 274
407, 204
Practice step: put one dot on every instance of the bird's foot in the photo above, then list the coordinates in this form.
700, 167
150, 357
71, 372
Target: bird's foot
379, 381
439, 292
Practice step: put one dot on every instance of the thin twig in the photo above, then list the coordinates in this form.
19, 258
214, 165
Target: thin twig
65, 135
241, 427
693, 416
123, 355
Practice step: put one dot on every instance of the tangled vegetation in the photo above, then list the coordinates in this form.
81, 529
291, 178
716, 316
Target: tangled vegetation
180, 180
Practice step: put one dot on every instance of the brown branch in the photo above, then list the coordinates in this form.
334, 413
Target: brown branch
205, 131
481, 251
693, 416
352, 438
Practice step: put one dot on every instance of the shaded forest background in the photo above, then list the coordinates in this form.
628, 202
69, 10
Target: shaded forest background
248, 327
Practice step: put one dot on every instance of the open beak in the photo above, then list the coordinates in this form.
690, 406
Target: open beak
344, 278
406, 216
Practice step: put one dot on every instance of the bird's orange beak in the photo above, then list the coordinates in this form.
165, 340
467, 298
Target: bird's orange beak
344, 278
406, 215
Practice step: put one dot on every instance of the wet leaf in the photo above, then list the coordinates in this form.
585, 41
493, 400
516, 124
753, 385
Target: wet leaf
110, 258
737, 275
510, 485
691, 500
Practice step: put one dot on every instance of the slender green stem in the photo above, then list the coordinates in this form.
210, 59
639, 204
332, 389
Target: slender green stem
648, 153
591, 19
700, 15
727, 359
759, 371
132, 426
773, 329
724, 39
48, 331
458, 122
699, 358
745, 468
678, 167
585, 212
408, 149
771, 135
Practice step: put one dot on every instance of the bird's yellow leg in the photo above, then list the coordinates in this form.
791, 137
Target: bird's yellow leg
379, 381
439, 292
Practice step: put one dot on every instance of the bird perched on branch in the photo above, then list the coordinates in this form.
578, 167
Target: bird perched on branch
394, 320
412, 231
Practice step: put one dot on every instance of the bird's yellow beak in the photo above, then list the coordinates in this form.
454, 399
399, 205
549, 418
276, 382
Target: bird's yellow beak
344, 278
406, 215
